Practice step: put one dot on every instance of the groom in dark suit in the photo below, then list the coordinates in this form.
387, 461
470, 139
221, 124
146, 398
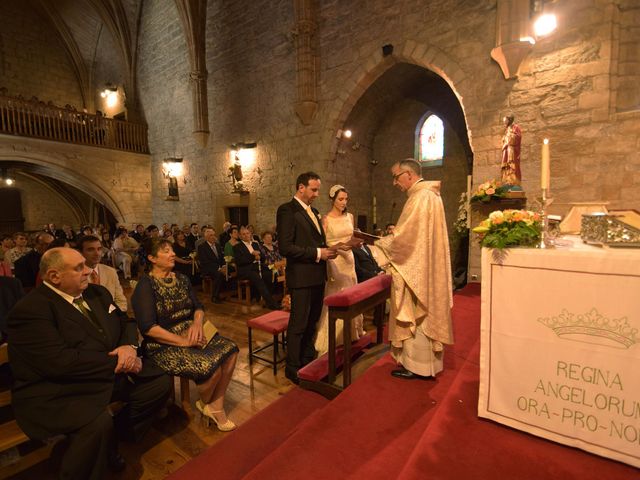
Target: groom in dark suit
72, 353
302, 241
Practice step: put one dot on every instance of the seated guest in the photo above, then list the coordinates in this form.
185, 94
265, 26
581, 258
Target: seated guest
69, 235
366, 265
138, 233
27, 267
250, 266
254, 237
125, 249
225, 235
6, 244
86, 230
233, 241
20, 249
212, 262
273, 259
107, 248
71, 355
152, 231
269, 249
91, 249
193, 236
171, 319
184, 262
389, 228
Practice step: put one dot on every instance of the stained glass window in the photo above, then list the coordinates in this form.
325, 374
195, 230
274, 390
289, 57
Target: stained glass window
431, 141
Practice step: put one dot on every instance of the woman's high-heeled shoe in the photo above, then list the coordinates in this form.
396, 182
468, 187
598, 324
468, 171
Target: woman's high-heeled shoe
222, 426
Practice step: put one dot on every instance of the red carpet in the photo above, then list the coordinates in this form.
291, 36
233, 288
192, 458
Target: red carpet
382, 427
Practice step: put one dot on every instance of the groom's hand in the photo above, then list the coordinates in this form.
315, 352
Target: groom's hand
327, 254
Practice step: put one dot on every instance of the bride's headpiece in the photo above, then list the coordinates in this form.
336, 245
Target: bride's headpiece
335, 189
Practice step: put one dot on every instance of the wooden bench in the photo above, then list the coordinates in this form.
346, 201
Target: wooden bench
346, 305
274, 323
12, 436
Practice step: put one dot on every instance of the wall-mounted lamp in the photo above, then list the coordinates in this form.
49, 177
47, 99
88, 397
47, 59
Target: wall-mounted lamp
243, 154
171, 169
344, 134
6, 179
545, 24
519, 24
110, 94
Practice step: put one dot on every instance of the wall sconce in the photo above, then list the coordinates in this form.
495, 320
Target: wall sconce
545, 21
6, 179
519, 23
344, 133
171, 169
110, 94
242, 155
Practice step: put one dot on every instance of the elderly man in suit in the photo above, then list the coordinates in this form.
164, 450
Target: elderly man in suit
251, 266
302, 241
211, 261
90, 247
72, 353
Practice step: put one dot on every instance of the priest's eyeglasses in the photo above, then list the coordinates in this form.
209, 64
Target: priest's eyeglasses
398, 175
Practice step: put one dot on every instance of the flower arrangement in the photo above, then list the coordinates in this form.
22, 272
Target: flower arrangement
488, 191
510, 228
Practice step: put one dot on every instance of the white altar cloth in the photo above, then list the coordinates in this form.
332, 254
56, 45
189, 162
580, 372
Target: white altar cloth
560, 354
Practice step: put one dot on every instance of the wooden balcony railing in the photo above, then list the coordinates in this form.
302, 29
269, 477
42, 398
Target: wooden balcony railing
33, 118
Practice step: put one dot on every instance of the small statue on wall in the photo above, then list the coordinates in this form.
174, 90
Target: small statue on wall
510, 165
235, 172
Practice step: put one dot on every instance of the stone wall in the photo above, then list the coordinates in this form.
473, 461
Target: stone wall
42, 205
32, 58
119, 180
566, 91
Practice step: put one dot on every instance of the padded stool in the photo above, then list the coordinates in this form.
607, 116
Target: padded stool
274, 323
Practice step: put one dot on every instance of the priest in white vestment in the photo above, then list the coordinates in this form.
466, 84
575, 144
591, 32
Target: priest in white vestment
417, 255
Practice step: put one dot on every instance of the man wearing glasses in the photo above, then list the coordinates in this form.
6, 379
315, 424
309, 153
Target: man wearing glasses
421, 295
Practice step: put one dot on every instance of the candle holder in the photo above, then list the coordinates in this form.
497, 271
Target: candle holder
545, 239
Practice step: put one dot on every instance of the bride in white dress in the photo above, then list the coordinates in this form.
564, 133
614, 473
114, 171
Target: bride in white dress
341, 271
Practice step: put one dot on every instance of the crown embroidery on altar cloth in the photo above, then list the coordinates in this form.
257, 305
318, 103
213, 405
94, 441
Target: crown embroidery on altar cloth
592, 327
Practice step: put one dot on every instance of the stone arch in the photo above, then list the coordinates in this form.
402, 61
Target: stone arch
43, 165
423, 55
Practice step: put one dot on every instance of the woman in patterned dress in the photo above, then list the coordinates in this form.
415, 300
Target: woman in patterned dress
171, 320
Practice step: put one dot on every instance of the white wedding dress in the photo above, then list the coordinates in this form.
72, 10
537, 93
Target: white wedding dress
341, 273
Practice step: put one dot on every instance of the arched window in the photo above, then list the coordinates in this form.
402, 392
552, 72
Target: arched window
430, 141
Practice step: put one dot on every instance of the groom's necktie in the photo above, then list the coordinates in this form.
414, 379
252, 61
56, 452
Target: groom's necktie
313, 217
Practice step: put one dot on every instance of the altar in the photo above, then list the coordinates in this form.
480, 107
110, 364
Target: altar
560, 345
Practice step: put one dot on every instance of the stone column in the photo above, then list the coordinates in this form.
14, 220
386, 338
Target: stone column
193, 15
304, 31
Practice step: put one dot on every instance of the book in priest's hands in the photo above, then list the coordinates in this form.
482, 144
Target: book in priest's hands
365, 237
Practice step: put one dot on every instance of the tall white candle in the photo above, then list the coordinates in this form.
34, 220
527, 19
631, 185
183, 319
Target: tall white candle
545, 171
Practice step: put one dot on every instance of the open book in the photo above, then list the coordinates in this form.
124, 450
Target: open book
366, 237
